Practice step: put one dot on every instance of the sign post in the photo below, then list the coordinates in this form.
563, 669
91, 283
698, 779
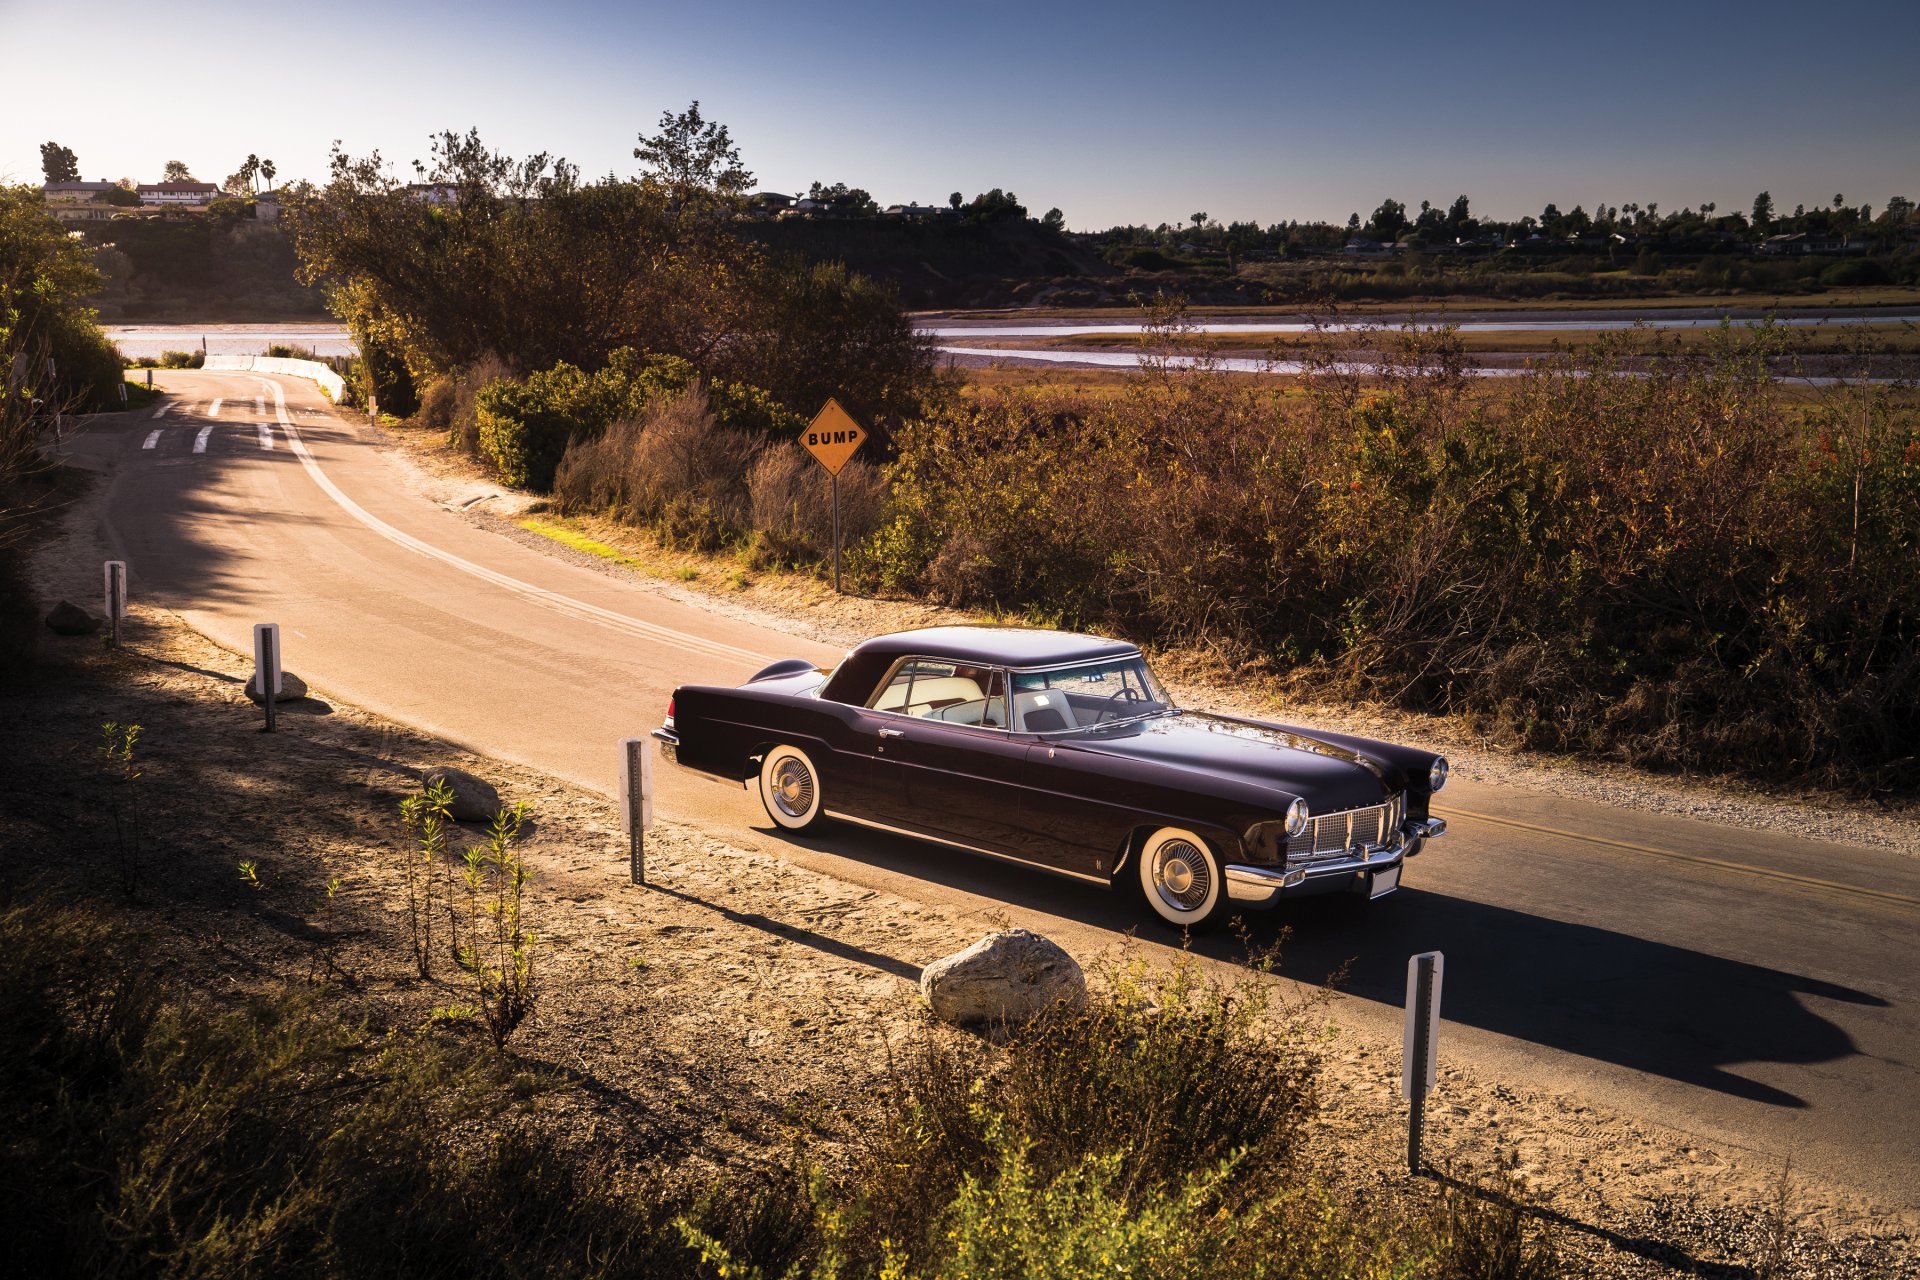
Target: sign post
832, 438
266, 665
1422, 1036
636, 803
116, 593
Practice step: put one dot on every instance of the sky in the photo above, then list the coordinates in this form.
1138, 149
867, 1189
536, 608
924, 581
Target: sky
1113, 112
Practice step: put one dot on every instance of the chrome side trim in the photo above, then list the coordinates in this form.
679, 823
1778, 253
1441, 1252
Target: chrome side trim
911, 834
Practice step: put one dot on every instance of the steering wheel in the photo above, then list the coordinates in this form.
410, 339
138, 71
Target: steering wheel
1131, 694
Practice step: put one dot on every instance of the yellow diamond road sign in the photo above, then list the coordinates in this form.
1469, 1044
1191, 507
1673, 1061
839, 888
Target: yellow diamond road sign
832, 437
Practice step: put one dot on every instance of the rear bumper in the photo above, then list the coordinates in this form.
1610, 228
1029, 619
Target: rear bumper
1265, 886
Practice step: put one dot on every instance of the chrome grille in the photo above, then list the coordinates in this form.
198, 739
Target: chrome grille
1331, 836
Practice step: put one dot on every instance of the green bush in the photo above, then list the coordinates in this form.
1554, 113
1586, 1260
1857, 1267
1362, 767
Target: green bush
1854, 273
525, 425
1158, 1133
183, 359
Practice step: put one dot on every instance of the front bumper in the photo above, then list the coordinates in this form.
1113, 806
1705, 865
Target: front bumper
1265, 886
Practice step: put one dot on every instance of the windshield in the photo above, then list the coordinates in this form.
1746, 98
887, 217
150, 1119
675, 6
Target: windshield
1087, 696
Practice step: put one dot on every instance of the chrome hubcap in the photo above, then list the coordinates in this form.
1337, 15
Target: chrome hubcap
1181, 876
792, 787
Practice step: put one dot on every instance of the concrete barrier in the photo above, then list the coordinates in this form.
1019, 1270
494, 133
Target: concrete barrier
312, 370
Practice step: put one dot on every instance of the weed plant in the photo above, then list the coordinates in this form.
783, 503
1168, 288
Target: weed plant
496, 947
427, 819
122, 772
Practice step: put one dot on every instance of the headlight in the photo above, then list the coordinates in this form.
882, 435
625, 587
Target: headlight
1296, 818
1437, 775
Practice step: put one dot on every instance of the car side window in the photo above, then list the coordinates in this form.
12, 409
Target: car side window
928, 689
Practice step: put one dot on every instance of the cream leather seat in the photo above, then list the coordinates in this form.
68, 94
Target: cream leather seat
928, 694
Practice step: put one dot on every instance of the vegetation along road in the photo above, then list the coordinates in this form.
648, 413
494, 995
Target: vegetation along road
1761, 990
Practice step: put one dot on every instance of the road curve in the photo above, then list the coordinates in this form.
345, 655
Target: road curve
1760, 990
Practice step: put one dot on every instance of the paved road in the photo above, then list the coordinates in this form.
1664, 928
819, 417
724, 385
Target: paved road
1760, 990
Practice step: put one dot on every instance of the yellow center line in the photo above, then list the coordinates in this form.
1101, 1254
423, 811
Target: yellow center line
1719, 864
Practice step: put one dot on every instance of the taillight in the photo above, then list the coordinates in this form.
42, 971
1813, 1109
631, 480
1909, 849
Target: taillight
669, 712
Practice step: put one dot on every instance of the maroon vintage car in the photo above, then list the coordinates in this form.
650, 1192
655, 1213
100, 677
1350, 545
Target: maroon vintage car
1062, 751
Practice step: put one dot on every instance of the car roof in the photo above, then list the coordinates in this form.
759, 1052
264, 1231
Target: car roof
997, 646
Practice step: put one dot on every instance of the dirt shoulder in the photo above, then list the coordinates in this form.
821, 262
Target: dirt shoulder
806, 605
739, 1005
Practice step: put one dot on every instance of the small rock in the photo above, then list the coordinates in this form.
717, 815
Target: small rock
292, 688
1005, 978
474, 799
69, 619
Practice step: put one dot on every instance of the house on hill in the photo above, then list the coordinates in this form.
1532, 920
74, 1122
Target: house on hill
78, 201
178, 194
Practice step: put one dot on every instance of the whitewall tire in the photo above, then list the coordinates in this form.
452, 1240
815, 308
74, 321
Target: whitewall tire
790, 788
1181, 878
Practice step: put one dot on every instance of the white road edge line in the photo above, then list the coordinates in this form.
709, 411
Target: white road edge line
213, 410
551, 599
200, 441
153, 438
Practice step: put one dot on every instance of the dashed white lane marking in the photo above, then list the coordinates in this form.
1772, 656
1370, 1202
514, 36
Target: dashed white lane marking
551, 599
213, 410
266, 436
161, 412
153, 438
200, 441
259, 404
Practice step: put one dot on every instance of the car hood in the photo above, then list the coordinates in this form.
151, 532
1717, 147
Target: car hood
1328, 776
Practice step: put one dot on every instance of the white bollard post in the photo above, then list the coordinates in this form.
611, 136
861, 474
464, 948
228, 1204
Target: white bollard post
266, 665
116, 598
1422, 1038
636, 802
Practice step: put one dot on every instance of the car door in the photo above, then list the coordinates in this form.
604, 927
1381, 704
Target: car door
1075, 810
966, 770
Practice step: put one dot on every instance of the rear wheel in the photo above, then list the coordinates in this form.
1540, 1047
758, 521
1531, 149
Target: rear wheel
790, 788
1181, 879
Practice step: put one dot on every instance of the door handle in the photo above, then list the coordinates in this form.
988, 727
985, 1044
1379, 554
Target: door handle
893, 733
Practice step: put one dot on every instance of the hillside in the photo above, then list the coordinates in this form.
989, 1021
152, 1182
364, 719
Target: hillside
206, 269
1008, 262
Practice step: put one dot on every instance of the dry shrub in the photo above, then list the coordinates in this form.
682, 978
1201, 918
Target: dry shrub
1643, 551
463, 423
673, 468
791, 497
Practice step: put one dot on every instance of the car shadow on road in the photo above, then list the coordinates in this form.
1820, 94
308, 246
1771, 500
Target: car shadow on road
1597, 993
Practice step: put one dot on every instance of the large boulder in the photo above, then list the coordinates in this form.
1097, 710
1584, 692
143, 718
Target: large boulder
474, 799
292, 688
69, 619
1003, 979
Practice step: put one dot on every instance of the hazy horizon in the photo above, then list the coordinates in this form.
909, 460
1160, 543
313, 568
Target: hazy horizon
1114, 114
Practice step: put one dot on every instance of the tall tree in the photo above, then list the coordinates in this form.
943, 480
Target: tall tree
267, 170
693, 156
176, 171
1763, 211
59, 163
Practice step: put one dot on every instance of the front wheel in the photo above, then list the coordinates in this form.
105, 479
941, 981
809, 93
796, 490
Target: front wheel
790, 788
1181, 879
